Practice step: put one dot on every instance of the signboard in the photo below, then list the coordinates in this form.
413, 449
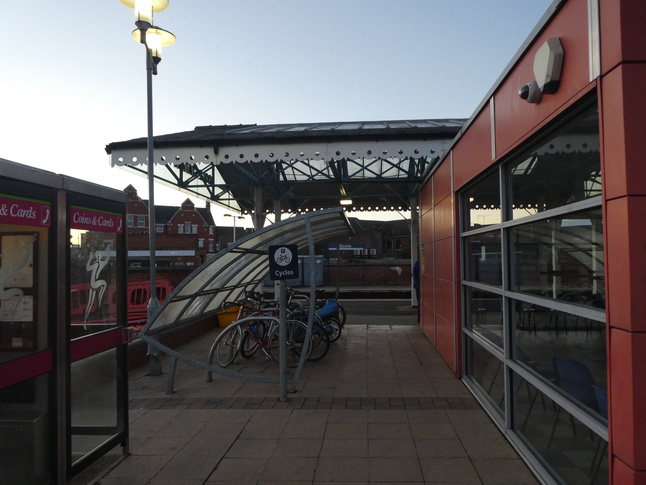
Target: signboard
93, 220
283, 262
25, 212
345, 247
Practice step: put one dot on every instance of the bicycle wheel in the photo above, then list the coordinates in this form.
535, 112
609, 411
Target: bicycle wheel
341, 315
296, 332
228, 345
333, 328
320, 342
252, 337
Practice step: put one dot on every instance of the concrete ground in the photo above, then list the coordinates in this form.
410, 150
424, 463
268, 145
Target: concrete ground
381, 408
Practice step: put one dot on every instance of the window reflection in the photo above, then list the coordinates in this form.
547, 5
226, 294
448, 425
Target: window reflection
483, 259
552, 303
93, 402
561, 258
23, 294
570, 449
564, 169
484, 315
545, 338
488, 371
483, 203
93, 276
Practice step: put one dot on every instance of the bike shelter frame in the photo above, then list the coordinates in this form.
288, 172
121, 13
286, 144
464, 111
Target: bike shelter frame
241, 267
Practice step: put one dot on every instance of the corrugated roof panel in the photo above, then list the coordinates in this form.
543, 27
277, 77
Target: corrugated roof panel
375, 125
348, 126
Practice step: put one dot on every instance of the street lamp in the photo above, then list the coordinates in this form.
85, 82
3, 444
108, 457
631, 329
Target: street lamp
153, 38
234, 223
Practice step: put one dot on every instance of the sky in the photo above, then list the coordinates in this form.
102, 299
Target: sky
72, 79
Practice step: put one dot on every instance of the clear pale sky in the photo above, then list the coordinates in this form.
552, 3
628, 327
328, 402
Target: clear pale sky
72, 80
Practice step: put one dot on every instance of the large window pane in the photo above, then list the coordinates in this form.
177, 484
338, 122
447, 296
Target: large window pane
483, 203
483, 258
561, 258
559, 438
24, 315
93, 275
484, 314
488, 371
93, 402
548, 341
564, 169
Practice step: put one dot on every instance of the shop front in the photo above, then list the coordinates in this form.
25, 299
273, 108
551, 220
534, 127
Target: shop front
63, 379
532, 234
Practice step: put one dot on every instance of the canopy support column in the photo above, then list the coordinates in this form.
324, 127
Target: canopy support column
258, 213
277, 210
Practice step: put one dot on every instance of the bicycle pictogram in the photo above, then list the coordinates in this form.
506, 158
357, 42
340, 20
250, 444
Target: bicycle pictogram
283, 256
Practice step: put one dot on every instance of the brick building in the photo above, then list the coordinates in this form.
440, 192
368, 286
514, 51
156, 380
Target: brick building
185, 235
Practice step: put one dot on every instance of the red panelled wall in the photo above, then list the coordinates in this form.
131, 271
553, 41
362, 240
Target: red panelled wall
516, 118
623, 108
473, 154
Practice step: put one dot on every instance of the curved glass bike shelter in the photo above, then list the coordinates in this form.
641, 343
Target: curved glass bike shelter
240, 268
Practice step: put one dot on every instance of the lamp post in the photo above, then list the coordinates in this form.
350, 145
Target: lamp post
234, 223
153, 38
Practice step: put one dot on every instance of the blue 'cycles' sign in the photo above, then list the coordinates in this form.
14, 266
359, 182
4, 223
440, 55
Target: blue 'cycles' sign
283, 262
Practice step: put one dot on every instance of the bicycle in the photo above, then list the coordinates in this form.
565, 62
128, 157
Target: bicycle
256, 328
254, 334
321, 301
228, 344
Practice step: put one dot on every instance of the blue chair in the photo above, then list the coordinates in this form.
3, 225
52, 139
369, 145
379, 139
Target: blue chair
575, 379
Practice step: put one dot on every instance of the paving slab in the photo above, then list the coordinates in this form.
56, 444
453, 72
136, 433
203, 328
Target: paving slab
381, 407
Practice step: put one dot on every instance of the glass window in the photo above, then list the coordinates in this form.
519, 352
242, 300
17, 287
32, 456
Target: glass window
93, 272
552, 299
483, 203
566, 168
543, 335
131, 220
488, 371
24, 316
141, 221
484, 314
561, 258
482, 261
159, 228
187, 227
572, 451
94, 382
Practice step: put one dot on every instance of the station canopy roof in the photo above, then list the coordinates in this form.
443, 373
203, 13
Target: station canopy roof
294, 168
